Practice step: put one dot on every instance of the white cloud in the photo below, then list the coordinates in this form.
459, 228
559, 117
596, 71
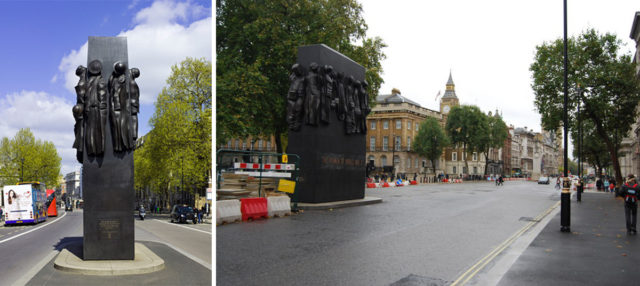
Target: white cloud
49, 118
155, 44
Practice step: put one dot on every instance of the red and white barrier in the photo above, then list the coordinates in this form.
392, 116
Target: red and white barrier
228, 211
279, 206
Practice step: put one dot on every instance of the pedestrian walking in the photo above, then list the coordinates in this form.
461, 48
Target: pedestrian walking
606, 185
200, 213
630, 191
612, 186
558, 183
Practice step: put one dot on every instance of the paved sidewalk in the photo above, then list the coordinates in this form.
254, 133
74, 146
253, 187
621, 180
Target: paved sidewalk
598, 251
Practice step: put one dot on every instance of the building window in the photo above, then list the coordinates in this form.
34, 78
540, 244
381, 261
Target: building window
260, 144
454, 170
398, 124
372, 143
417, 125
417, 163
268, 145
372, 160
385, 124
244, 145
454, 157
385, 143
475, 156
229, 144
398, 144
409, 123
237, 144
383, 160
373, 125
396, 160
408, 143
475, 170
408, 163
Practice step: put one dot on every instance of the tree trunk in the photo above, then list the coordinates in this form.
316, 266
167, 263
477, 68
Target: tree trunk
611, 147
486, 162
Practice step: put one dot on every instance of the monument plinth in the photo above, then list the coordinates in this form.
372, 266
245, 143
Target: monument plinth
106, 130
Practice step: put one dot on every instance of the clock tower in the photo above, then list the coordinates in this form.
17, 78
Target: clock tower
449, 99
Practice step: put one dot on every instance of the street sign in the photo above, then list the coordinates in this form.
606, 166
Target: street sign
285, 158
286, 186
209, 194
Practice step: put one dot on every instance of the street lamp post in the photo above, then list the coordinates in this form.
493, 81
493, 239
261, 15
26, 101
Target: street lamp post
580, 182
565, 206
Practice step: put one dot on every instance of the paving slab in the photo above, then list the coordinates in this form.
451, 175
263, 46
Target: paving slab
597, 251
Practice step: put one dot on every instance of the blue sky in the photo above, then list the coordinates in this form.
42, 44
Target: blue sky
44, 41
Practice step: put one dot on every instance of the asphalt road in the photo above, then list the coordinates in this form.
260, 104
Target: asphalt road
418, 235
24, 250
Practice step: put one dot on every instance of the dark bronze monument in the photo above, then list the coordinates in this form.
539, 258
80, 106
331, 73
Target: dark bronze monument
326, 113
106, 130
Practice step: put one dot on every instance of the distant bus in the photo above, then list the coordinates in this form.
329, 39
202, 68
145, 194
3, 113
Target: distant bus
25, 203
52, 209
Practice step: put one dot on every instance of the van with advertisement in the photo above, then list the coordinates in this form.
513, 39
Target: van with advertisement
24, 203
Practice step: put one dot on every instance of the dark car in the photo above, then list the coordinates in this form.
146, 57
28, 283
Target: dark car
182, 213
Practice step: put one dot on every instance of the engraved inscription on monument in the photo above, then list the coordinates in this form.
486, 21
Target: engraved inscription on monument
109, 229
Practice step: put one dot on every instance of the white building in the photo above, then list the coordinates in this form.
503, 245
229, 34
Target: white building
73, 181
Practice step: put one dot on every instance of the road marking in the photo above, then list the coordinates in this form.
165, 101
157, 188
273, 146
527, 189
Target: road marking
198, 260
473, 270
36, 268
190, 228
28, 231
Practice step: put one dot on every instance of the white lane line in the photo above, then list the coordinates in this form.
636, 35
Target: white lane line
28, 231
36, 268
198, 260
189, 228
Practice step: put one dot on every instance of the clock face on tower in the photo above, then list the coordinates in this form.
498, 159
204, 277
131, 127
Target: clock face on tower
445, 109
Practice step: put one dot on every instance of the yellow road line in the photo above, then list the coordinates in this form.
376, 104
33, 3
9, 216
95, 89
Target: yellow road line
473, 270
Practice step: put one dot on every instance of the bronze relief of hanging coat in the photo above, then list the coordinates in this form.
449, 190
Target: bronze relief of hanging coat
94, 110
120, 109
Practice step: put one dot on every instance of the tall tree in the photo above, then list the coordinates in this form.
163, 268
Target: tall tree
256, 45
177, 150
430, 141
610, 90
493, 137
467, 126
25, 158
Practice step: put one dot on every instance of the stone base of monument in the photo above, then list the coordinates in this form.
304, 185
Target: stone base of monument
339, 204
145, 261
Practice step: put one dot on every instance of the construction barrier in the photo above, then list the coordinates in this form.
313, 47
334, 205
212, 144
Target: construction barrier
278, 206
253, 208
385, 185
413, 182
228, 211
371, 185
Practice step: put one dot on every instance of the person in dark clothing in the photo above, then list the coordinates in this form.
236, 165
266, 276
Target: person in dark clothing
630, 191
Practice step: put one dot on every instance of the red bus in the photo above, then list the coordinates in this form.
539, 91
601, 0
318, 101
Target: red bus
52, 204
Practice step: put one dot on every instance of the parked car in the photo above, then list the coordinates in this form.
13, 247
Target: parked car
543, 180
182, 213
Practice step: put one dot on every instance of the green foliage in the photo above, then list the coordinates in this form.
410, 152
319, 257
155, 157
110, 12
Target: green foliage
25, 158
467, 126
494, 137
610, 91
177, 150
594, 151
430, 141
256, 45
